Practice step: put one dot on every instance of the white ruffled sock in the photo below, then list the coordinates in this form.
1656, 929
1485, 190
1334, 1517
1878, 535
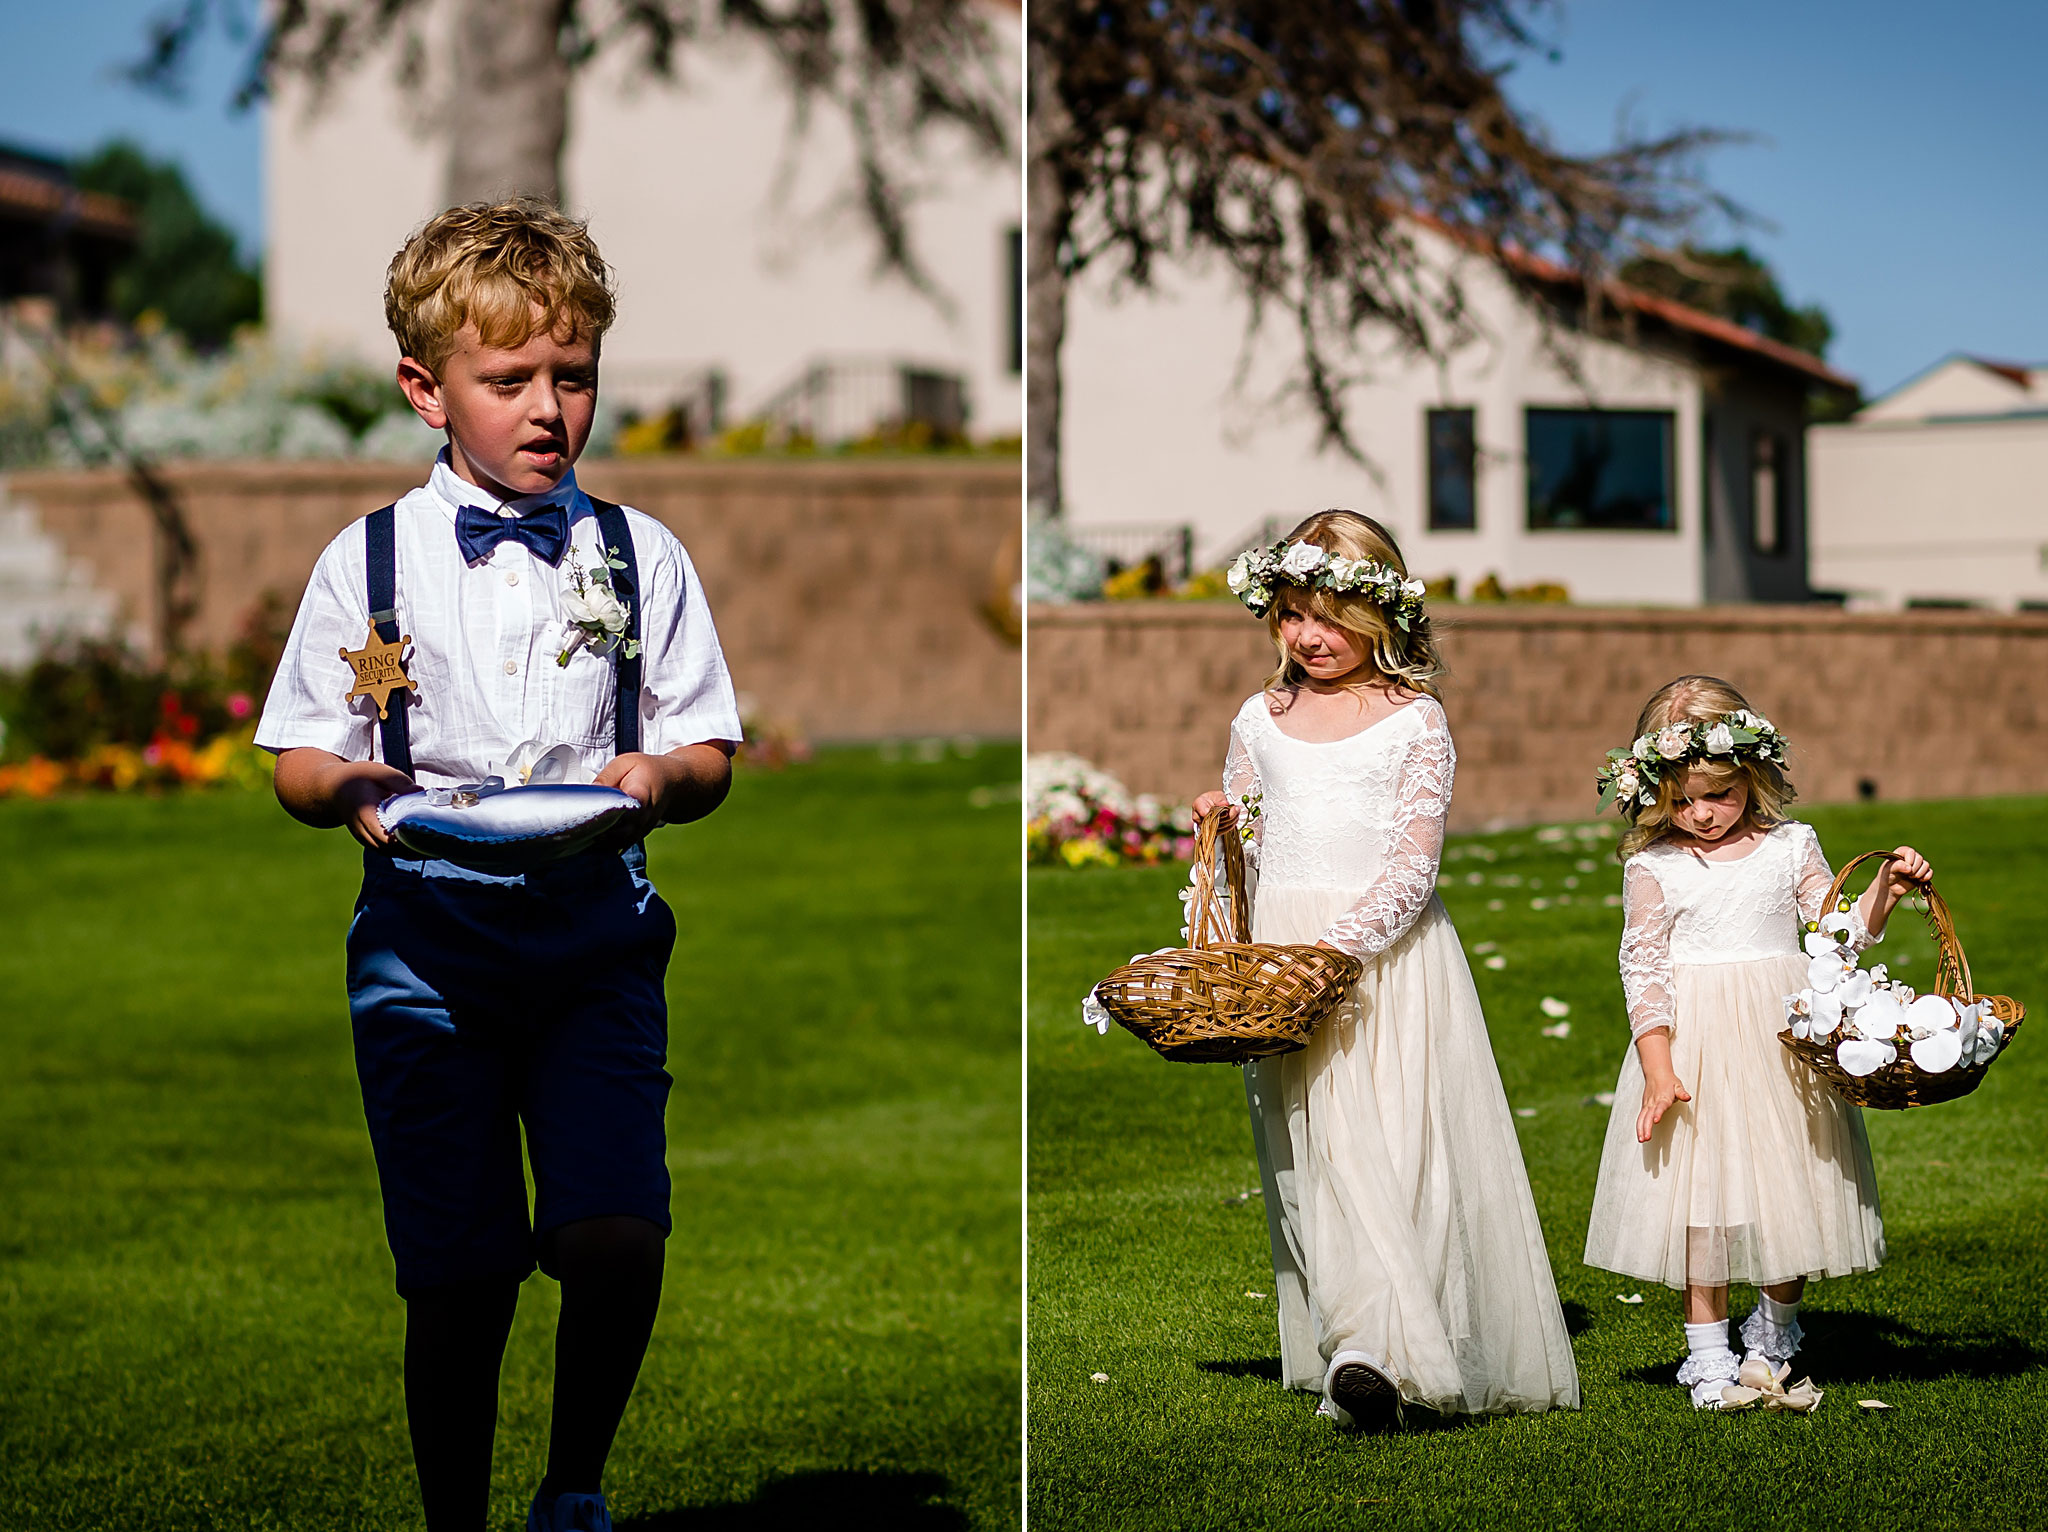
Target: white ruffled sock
1710, 1365
1772, 1330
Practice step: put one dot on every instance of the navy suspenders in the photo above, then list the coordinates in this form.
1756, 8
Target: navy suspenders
380, 536
612, 533
380, 531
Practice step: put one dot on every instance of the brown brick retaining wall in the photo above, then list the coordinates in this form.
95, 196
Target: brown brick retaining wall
1931, 704
849, 595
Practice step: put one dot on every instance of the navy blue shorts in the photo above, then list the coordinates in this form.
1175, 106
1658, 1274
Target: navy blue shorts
483, 1004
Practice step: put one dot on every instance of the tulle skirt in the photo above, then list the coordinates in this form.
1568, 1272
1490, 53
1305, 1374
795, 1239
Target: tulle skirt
1764, 1176
1398, 1204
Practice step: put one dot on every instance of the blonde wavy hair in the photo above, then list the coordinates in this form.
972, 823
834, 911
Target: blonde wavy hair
513, 269
1702, 699
1408, 658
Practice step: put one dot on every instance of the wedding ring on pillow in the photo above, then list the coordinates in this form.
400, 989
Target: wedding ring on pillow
504, 830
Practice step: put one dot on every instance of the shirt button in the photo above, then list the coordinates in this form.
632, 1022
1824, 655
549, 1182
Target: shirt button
511, 577
511, 667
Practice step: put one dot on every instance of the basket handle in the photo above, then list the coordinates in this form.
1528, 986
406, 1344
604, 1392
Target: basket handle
1204, 915
1952, 968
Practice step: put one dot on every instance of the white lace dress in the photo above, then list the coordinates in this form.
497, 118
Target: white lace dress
1399, 1208
1765, 1175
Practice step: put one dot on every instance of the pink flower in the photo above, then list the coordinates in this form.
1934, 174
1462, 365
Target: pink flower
239, 705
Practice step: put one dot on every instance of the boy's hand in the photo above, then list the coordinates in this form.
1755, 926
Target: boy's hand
321, 789
686, 784
1661, 1090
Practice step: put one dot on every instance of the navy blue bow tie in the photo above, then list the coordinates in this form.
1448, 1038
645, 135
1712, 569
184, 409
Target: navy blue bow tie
545, 532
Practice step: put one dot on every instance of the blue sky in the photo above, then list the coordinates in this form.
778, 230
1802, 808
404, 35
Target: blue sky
1898, 153
61, 97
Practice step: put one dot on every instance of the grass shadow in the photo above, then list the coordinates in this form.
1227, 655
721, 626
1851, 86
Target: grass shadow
1578, 1319
848, 1500
1265, 1368
1871, 1348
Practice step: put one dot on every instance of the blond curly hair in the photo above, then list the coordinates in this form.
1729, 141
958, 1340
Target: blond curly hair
512, 269
1409, 658
1702, 699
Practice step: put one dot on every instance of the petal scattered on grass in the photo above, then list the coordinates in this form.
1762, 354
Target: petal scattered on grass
1628, 1297
1525, 1111
1554, 1007
1497, 962
1873, 1404
1250, 1294
1098, 1377
1562, 1029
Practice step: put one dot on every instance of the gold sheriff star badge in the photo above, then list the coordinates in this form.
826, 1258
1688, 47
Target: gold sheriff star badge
380, 670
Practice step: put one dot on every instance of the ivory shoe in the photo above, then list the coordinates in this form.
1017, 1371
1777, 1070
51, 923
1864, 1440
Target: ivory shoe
1361, 1393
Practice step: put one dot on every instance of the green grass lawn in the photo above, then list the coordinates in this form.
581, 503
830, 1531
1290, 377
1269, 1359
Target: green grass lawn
197, 1326
1145, 1254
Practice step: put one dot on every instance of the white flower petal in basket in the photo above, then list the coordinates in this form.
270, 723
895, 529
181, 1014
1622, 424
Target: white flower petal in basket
1825, 973
1819, 945
1836, 923
1827, 1015
1855, 987
1801, 1026
1930, 1014
1937, 1052
1990, 1033
1861, 1056
1878, 1017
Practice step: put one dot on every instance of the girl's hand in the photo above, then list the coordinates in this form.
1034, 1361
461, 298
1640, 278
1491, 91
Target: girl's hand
1908, 869
1210, 802
1660, 1091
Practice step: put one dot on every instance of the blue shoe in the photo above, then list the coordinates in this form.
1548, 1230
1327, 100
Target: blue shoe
571, 1512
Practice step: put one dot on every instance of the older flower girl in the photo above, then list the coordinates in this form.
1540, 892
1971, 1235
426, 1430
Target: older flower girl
1726, 1159
1406, 1252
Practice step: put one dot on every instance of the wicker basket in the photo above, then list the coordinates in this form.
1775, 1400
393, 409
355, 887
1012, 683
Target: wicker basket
1902, 1083
1226, 999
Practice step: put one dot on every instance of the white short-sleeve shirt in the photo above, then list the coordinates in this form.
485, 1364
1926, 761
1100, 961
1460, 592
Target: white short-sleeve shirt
485, 638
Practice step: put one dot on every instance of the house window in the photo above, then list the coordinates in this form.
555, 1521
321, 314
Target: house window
1453, 497
1766, 493
1600, 469
1013, 245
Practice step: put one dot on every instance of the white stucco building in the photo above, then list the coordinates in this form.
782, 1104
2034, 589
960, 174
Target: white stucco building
1937, 493
1673, 475
737, 249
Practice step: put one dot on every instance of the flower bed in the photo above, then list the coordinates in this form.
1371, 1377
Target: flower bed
1077, 815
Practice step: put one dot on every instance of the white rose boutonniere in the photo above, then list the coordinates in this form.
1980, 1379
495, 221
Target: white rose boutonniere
594, 611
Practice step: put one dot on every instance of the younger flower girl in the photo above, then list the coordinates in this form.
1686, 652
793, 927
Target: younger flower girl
1406, 1253
1726, 1159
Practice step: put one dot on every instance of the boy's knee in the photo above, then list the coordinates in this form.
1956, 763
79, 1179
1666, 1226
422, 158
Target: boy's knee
614, 1246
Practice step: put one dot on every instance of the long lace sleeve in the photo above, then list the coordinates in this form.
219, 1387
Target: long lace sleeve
1415, 846
1645, 952
1241, 782
1815, 879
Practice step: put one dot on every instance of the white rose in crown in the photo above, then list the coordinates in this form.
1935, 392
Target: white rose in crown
1673, 741
1302, 560
1720, 740
1240, 574
1626, 783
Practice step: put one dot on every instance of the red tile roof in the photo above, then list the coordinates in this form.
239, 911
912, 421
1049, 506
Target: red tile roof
32, 196
1669, 311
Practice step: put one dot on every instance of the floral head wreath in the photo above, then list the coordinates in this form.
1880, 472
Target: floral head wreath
1258, 570
1630, 777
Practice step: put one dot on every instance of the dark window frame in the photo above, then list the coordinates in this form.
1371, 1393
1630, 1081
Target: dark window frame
1666, 420
1432, 481
1013, 248
1762, 444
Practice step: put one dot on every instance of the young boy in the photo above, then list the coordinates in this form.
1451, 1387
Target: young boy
481, 1004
